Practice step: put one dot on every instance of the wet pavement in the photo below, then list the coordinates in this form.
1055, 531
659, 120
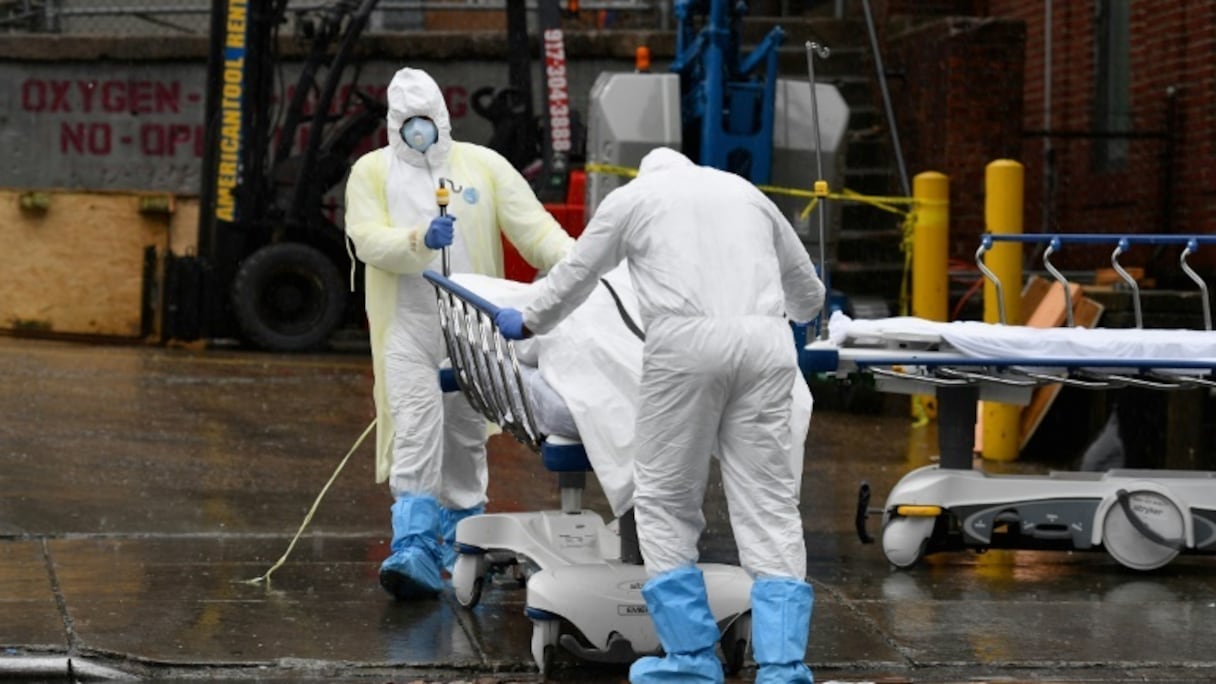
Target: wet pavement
142, 487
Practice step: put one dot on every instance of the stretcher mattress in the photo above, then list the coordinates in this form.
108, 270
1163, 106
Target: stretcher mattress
986, 340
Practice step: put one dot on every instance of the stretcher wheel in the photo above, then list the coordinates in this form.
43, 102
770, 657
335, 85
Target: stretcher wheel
1143, 530
905, 539
469, 578
544, 644
734, 643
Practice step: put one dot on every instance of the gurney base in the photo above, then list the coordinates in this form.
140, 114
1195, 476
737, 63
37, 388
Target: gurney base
597, 612
1142, 518
580, 595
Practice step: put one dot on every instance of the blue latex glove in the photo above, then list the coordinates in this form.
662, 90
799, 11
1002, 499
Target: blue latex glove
439, 233
510, 323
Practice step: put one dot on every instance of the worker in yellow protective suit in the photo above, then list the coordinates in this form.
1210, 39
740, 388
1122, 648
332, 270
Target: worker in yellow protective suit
430, 446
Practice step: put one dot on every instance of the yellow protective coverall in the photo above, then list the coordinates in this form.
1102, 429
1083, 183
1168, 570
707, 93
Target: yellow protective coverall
428, 444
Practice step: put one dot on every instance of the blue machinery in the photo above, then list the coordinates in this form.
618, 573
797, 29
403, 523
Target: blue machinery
1142, 518
727, 112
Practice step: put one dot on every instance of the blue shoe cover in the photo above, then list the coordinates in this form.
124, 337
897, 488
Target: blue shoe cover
781, 623
797, 673
678, 668
679, 607
448, 519
412, 571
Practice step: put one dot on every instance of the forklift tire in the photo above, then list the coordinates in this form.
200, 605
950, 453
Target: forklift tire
288, 297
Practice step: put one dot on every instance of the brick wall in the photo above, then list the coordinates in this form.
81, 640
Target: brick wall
933, 7
1165, 187
1168, 183
958, 105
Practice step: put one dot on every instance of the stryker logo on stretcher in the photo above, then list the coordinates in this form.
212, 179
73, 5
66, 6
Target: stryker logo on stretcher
228, 169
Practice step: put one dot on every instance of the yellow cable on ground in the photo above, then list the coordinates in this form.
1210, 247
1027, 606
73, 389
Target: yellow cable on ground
308, 518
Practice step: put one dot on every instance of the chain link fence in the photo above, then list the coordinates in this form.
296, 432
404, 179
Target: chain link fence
193, 17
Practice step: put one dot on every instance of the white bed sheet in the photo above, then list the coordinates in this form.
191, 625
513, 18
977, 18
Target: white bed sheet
987, 340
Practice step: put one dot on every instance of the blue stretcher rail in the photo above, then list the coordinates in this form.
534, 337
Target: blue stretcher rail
485, 366
462, 292
987, 239
1055, 241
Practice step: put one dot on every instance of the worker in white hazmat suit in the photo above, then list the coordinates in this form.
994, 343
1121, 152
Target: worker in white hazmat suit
715, 267
430, 446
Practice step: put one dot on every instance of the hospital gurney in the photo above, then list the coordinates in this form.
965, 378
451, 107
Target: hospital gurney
582, 592
1142, 518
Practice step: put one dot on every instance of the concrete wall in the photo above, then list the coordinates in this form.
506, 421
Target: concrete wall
94, 124
104, 117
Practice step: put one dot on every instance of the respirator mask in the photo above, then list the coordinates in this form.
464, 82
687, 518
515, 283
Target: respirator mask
419, 133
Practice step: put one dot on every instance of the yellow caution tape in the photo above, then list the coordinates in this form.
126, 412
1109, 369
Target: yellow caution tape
592, 167
889, 204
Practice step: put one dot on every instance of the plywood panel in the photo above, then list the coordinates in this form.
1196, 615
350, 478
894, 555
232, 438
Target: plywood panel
75, 267
1085, 313
1043, 306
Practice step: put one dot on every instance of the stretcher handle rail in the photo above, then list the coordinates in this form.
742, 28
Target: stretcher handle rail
483, 304
449, 322
486, 365
1146, 382
1031, 362
1189, 380
1191, 246
916, 377
1122, 243
1073, 381
1099, 239
986, 377
1052, 247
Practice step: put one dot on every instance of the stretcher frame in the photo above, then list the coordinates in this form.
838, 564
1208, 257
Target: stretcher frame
583, 578
1142, 518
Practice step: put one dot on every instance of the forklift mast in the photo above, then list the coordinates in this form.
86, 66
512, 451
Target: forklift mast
271, 266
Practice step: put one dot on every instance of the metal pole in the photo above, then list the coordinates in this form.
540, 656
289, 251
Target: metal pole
886, 100
1047, 162
813, 49
441, 198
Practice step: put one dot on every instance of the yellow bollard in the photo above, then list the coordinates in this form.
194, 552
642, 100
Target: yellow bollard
1003, 184
930, 272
